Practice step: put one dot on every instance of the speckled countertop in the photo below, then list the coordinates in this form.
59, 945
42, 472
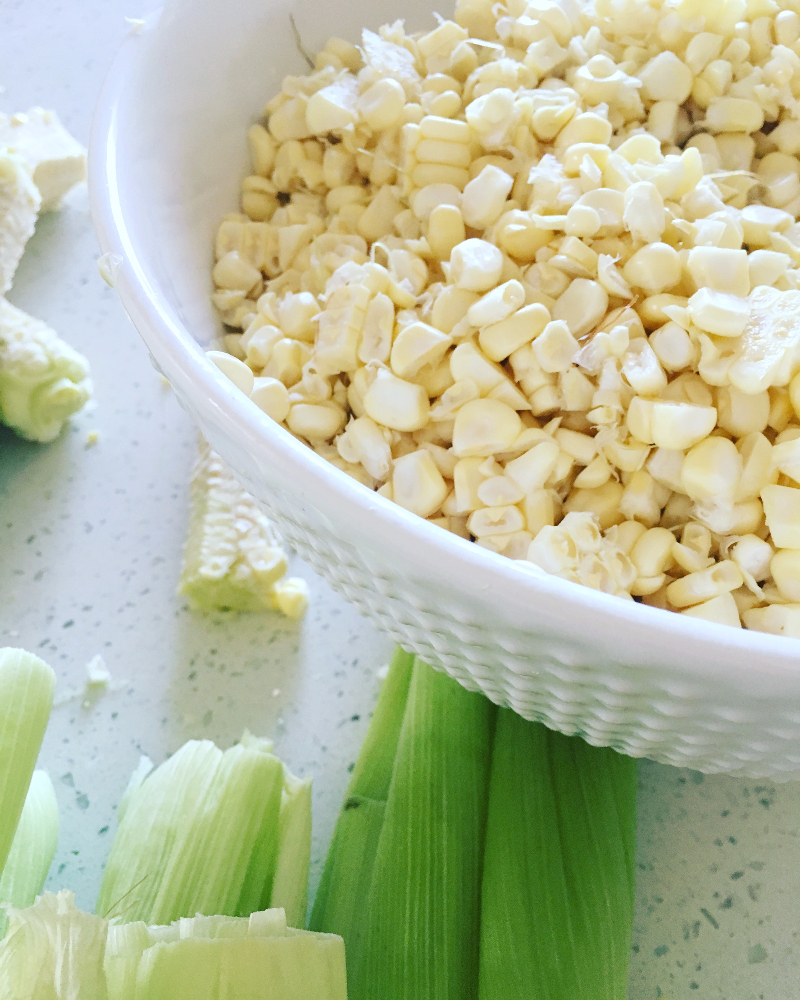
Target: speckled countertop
90, 541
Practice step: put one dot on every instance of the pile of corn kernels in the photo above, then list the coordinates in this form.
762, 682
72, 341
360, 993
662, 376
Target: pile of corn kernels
534, 275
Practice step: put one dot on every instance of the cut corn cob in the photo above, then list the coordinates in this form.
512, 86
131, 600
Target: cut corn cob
233, 557
26, 697
422, 914
33, 849
339, 903
201, 834
557, 895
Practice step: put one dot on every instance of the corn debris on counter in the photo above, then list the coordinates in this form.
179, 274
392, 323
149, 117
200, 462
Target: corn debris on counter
535, 276
233, 559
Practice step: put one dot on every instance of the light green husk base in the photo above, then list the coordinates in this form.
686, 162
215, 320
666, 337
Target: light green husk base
55, 952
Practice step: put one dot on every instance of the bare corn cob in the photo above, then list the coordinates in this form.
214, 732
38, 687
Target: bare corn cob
557, 898
233, 557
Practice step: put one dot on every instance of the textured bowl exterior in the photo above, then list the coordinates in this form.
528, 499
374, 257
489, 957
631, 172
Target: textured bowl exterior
644, 681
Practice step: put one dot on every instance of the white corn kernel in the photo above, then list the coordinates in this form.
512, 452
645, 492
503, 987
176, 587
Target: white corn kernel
234, 272
721, 609
475, 265
485, 427
451, 306
776, 619
533, 469
678, 426
641, 499
696, 588
467, 477
376, 335
654, 268
581, 447
639, 419
785, 572
501, 339
395, 403
233, 369
333, 107
603, 502
719, 269
316, 421
583, 221
497, 305
597, 473
765, 267
719, 313
734, 114
651, 553
262, 150
760, 221
666, 78
495, 521
644, 215
711, 469
445, 230
381, 105
782, 512
581, 306
753, 556
642, 369
416, 345
785, 456
429, 197
499, 491
417, 484
673, 347
742, 413
485, 196
555, 347
272, 397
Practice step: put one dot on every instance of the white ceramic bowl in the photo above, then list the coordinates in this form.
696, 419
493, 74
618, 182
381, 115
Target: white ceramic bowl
167, 153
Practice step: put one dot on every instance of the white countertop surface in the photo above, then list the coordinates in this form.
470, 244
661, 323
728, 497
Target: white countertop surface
90, 543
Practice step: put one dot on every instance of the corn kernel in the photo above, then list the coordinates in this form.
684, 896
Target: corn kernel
782, 511
445, 230
711, 469
654, 268
721, 609
417, 484
485, 427
475, 265
696, 588
395, 403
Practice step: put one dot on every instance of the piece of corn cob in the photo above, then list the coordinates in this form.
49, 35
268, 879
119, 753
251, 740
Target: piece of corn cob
558, 877
233, 557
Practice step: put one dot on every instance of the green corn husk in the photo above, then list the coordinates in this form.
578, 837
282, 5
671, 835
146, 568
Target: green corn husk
290, 885
422, 915
26, 698
346, 879
143, 769
558, 881
199, 835
33, 849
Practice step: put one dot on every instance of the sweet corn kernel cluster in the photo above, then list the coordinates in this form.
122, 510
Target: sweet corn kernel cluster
535, 276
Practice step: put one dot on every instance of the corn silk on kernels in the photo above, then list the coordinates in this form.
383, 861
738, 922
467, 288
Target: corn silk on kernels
535, 276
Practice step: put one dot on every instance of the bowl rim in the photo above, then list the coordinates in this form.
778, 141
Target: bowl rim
381, 520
